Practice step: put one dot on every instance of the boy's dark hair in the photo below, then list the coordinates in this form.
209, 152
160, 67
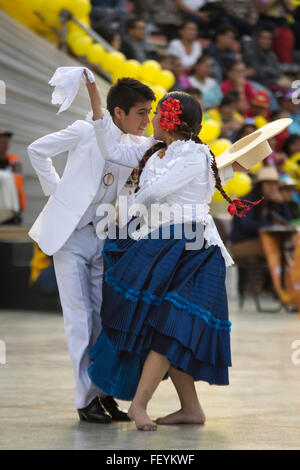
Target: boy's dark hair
126, 94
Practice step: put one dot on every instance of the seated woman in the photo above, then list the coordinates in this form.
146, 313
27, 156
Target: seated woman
201, 79
187, 48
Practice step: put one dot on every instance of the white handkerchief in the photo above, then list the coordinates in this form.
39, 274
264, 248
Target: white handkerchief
66, 81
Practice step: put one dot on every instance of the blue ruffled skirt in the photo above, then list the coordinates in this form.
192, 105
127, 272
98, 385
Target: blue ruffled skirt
157, 295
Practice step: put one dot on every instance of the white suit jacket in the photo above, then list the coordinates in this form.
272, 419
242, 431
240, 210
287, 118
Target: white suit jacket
71, 195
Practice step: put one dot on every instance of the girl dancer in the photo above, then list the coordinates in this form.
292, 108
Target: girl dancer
165, 307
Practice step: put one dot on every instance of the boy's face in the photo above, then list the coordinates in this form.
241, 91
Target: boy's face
136, 121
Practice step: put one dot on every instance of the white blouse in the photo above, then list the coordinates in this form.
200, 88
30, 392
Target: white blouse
183, 180
188, 60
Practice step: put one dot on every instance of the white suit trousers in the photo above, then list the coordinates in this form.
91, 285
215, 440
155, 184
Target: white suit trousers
79, 273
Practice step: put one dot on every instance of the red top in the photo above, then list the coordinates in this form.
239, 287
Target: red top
249, 90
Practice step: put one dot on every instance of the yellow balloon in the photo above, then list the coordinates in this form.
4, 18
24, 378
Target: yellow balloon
72, 37
132, 68
239, 185
260, 121
96, 54
219, 146
210, 131
57, 5
255, 169
52, 19
73, 27
295, 158
114, 61
81, 45
80, 8
165, 79
35, 5
217, 197
159, 92
149, 70
290, 168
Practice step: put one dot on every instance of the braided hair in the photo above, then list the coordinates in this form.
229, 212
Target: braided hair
190, 127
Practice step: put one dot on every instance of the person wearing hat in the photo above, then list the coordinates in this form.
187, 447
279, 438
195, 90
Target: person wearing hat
287, 187
273, 210
13, 163
289, 102
259, 106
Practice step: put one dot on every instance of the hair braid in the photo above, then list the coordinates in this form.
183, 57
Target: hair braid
219, 186
136, 173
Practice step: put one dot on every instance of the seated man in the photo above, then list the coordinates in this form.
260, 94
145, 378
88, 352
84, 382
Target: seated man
12, 163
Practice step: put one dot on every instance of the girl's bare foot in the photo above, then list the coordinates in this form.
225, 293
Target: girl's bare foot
183, 417
141, 419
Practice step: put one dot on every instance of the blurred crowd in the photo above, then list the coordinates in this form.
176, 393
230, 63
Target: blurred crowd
241, 60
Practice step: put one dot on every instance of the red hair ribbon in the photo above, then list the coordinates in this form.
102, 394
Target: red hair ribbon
239, 208
170, 110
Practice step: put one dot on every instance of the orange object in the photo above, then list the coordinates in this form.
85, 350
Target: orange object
289, 293
16, 167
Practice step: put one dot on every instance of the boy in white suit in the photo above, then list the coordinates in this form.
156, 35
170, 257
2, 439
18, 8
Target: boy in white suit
65, 229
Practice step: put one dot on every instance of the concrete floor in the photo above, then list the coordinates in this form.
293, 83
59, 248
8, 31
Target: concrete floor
259, 410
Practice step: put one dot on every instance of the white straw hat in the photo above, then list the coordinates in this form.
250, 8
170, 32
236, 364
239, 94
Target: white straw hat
253, 148
267, 173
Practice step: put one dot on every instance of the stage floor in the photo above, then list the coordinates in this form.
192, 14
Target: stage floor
258, 410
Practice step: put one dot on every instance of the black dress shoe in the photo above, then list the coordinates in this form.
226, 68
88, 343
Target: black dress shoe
94, 413
113, 409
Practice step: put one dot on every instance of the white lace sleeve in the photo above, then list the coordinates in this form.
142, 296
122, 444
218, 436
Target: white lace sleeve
115, 152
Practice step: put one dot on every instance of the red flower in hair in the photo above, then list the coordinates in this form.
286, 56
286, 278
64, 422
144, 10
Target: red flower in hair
170, 110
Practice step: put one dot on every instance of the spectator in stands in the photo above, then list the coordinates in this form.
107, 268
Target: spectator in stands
42, 274
287, 187
134, 44
222, 48
165, 61
187, 48
196, 93
163, 14
227, 115
259, 106
106, 12
282, 136
260, 58
236, 80
273, 12
181, 80
12, 163
271, 211
190, 9
291, 145
112, 36
241, 14
289, 102
245, 130
201, 79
